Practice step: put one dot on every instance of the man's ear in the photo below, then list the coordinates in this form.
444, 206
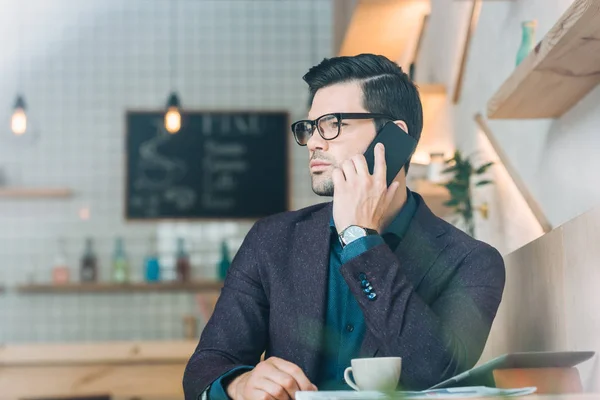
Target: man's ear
402, 125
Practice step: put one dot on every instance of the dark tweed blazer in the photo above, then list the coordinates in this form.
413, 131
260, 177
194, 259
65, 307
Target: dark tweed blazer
437, 296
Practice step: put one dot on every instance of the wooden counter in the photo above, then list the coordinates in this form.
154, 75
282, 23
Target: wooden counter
118, 369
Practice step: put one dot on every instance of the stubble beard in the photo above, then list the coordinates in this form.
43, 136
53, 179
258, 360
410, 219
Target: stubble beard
322, 185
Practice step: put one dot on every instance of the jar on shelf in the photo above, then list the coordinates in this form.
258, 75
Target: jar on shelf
435, 167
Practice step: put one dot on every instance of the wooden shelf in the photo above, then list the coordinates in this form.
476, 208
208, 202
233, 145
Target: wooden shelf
562, 69
198, 286
431, 89
434, 195
387, 27
14, 192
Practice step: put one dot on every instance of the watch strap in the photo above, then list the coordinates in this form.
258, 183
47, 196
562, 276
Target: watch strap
371, 231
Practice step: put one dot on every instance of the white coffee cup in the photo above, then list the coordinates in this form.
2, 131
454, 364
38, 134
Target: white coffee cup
378, 374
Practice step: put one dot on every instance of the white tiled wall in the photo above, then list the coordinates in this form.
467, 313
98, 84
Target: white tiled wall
82, 64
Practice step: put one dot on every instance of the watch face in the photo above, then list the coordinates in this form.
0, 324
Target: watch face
352, 233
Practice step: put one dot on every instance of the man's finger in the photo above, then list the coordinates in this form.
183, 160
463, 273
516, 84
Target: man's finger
349, 170
281, 378
338, 177
259, 394
380, 169
273, 389
360, 163
391, 192
296, 373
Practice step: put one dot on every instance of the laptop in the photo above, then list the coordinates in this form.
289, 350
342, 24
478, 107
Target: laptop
482, 375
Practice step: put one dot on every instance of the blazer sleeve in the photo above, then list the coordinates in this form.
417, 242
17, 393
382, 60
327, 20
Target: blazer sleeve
437, 340
236, 334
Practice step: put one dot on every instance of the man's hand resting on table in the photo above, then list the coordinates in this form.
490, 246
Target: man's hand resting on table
272, 379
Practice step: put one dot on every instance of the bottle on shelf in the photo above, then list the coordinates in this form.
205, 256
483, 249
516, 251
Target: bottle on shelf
182, 264
151, 263
225, 261
89, 263
120, 263
527, 40
60, 269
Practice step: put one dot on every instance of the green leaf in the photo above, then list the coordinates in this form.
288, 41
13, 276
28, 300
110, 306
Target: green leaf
458, 189
484, 182
458, 156
463, 174
457, 192
459, 199
456, 184
484, 168
452, 202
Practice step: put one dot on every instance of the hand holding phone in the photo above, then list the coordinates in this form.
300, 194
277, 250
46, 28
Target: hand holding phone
361, 197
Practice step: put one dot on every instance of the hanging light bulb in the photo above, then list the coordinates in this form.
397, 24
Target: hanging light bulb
173, 114
23, 129
18, 121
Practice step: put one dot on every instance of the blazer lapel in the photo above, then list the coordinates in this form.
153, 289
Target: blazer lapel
422, 245
417, 252
310, 260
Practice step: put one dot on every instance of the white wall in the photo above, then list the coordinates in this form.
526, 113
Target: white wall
83, 64
557, 159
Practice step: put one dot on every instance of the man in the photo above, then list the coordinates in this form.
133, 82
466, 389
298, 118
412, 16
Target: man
313, 294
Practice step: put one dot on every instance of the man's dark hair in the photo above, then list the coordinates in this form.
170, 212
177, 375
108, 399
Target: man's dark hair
386, 88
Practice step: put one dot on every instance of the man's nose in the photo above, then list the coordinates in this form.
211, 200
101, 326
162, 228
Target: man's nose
316, 142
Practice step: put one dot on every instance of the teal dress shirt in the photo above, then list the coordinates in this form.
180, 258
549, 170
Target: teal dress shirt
344, 325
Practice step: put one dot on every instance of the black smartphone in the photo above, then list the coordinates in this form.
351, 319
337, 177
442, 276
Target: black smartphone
399, 147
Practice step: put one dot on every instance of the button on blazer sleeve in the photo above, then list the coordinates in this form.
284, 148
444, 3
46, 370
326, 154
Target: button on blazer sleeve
235, 335
436, 340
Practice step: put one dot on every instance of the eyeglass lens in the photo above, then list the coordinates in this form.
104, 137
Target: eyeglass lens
328, 126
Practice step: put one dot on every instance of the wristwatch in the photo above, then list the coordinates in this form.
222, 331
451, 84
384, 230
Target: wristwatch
354, 232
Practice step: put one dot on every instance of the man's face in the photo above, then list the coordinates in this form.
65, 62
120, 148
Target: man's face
354, 138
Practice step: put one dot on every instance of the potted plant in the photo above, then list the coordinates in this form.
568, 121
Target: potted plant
465, 177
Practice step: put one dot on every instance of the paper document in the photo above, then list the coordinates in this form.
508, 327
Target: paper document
450, 393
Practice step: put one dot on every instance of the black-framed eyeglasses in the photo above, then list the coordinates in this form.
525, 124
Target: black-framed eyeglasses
328, 125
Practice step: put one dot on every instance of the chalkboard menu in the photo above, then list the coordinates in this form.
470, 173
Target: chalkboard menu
219, 165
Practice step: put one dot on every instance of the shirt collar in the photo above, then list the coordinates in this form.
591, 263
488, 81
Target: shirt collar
401, 222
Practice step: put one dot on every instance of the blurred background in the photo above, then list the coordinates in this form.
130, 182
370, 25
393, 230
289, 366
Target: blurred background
118, 225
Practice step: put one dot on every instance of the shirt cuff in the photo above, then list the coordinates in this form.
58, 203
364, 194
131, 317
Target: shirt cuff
360, 246
217, 391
